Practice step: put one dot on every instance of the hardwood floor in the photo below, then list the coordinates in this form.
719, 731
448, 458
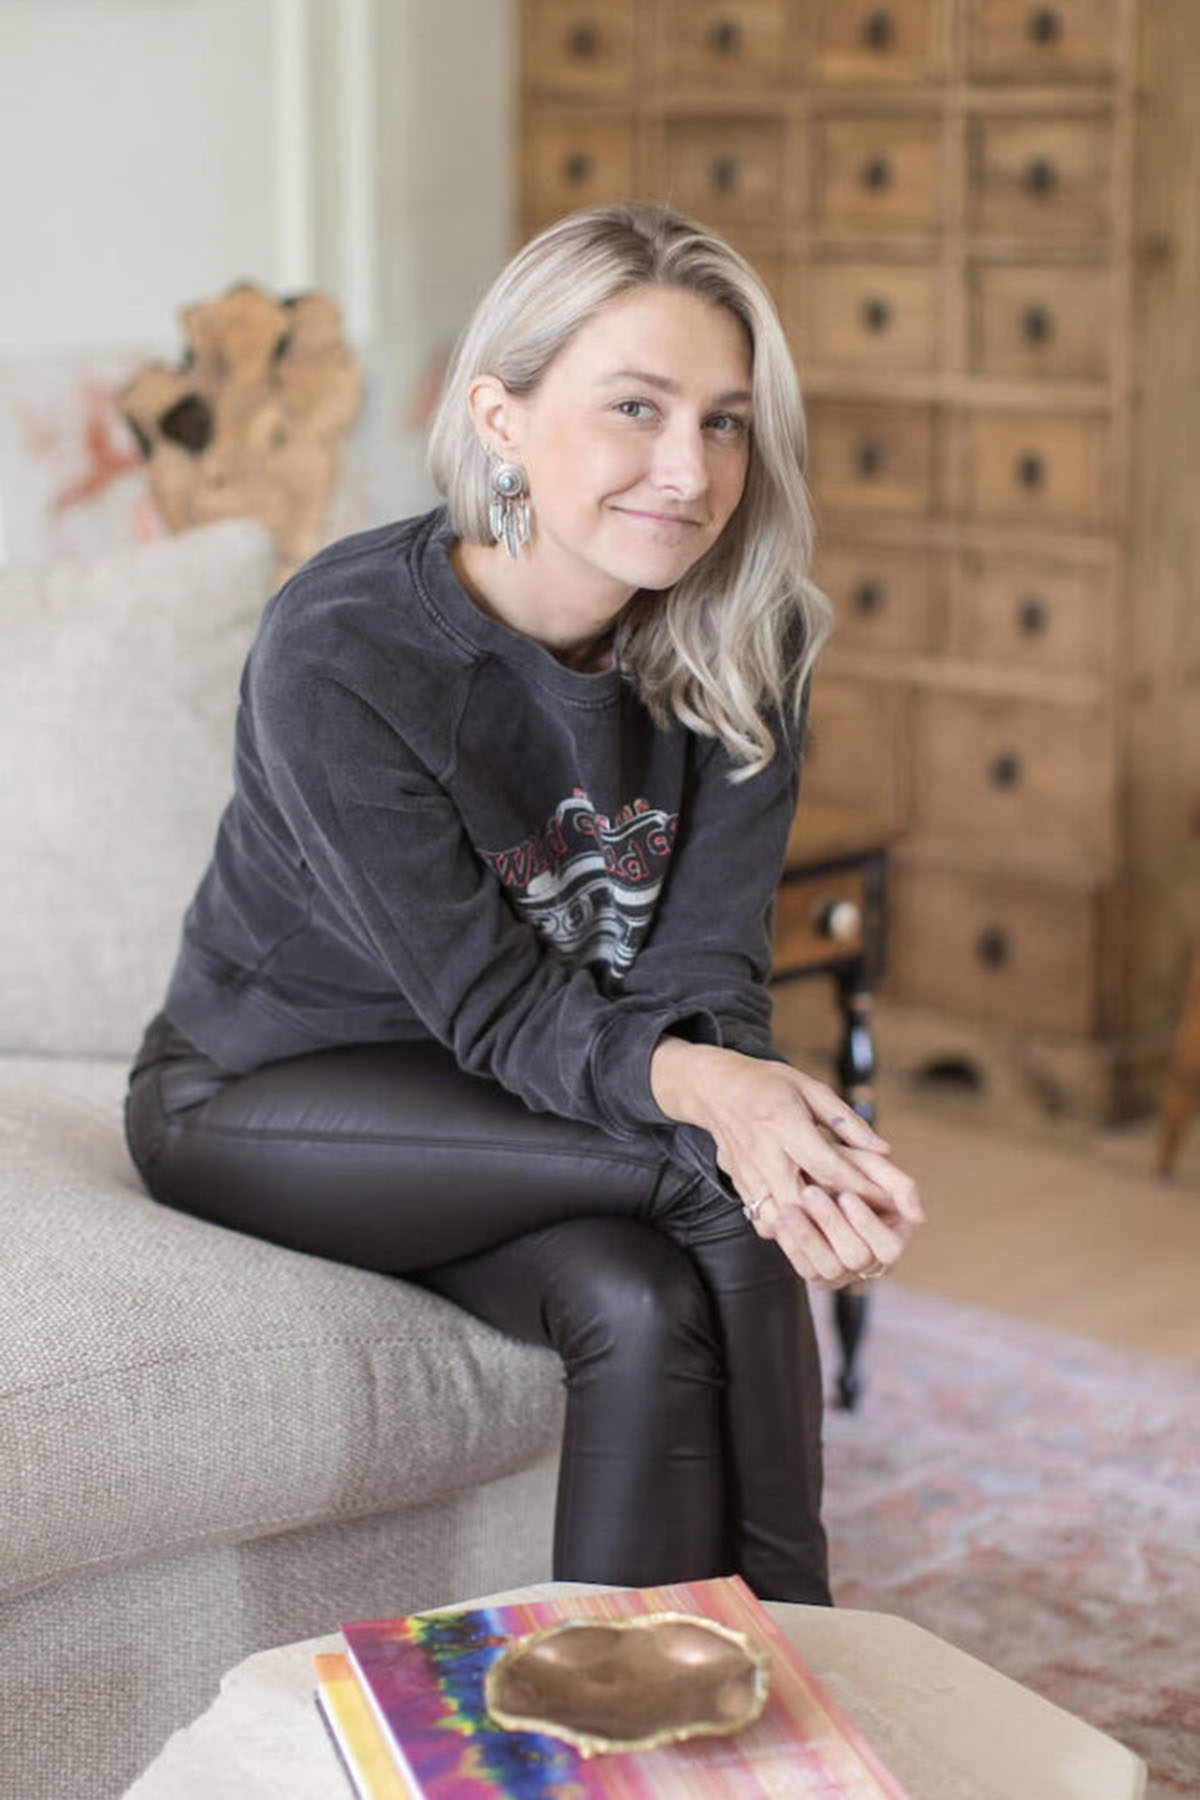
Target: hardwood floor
1062, 1224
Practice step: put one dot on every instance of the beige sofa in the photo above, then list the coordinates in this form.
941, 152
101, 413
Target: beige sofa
207, 1445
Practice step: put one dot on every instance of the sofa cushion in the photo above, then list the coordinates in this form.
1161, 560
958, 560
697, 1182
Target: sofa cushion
165, 1382
118, 686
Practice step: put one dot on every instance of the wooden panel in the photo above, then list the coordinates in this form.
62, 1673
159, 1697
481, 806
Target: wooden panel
721, 42
882, 597
1056, 468
1043, 179
1041, 323
992, 949
802, 909
571, 160
877, 174
579, 49
866, 315
1018, 40
1038, 615
1011, 772
726, 171
872, 458
1161, 634
855, 751
864, 40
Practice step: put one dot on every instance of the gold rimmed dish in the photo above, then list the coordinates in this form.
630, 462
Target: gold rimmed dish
608, 1685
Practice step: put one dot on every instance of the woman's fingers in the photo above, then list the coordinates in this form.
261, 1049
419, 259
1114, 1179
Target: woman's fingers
900, 1188
806, 1246
830, 1109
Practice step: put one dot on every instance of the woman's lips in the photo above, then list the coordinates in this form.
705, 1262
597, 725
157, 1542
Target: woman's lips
674, 523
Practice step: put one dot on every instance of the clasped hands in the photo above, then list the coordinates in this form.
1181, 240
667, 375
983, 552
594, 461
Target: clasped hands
812, 1174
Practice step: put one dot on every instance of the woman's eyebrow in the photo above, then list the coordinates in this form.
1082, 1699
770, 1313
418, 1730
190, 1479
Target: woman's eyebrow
733, 397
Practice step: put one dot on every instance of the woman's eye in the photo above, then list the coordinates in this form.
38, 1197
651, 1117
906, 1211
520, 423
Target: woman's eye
729, 424
635, 409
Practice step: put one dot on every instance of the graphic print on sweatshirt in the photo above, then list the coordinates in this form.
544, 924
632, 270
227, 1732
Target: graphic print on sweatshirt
588, 883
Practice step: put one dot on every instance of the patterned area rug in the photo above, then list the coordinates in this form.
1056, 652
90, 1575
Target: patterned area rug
1034, 1499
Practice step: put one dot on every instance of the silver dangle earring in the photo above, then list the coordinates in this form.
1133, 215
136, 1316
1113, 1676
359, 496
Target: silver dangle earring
509, 511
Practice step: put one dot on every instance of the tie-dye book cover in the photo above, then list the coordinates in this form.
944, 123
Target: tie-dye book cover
424, 1678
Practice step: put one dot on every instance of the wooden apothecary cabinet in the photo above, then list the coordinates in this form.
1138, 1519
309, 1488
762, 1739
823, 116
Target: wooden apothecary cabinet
981, 223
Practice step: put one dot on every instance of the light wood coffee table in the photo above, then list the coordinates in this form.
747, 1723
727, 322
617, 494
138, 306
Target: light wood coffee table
948, 1726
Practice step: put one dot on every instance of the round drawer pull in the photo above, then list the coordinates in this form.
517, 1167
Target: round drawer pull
576, 168
1030, 470
876, 173
1041, 176
991, 947
1033, 615
583, 41
868, 597
725, 36
840, 920
1045, 25
869, 459
1005, 770
1037, 325
876, 314
726, 174
879, 31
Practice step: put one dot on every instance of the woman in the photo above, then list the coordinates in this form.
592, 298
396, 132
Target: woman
473, 990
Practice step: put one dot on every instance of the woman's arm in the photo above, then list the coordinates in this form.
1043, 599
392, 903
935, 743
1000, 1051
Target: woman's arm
742, 1114
386, 845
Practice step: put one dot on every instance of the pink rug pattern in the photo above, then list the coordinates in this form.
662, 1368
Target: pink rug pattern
1034, 1499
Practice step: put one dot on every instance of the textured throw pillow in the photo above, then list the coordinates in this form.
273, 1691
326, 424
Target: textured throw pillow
118, 687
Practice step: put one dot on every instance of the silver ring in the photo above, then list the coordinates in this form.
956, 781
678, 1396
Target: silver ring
874, 1274
752, 1208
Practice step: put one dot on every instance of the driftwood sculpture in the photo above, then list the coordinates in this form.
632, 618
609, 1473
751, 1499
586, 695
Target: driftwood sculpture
253, 419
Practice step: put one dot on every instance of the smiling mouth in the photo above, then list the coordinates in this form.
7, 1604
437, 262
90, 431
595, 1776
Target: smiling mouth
657, 518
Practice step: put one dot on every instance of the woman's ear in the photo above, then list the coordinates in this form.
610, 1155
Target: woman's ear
495, 414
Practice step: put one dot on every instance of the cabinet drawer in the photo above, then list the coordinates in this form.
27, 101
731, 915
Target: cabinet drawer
991, 948
1020, 40
866, 315
1020, 774
814, 919
870, 457
1038, 615
855, 749
1050, 467
572, 161
883, 598
726, 170
580, 50
875, 40
721, 42
877, 174
1042, 323
1043, 179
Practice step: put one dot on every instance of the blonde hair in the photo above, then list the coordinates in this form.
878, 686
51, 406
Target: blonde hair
735, 639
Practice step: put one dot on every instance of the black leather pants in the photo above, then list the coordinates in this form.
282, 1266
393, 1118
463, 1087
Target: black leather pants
692, 1442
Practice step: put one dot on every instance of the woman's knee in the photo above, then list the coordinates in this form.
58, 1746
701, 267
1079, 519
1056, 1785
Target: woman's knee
622, 1292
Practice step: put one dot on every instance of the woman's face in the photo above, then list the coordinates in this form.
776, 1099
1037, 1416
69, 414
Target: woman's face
637, 441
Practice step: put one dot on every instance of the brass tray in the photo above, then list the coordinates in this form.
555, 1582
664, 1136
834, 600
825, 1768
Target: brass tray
607, 1685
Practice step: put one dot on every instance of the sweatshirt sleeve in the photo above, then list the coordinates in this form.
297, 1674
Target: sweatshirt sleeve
385, 842
710, 946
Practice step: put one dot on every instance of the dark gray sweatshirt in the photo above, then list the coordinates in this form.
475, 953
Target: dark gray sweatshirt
439, 830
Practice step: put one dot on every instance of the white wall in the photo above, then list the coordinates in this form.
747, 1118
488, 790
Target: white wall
152, 152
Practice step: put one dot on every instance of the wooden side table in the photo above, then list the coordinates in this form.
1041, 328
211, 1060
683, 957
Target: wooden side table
830, 919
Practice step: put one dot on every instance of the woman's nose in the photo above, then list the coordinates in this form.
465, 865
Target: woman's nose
680, 465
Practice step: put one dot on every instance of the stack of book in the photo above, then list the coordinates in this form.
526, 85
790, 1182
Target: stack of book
405, 1708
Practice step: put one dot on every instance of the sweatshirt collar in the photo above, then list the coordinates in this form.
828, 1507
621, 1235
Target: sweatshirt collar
445, 596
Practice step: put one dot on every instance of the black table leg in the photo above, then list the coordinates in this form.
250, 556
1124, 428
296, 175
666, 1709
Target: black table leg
855, 1079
